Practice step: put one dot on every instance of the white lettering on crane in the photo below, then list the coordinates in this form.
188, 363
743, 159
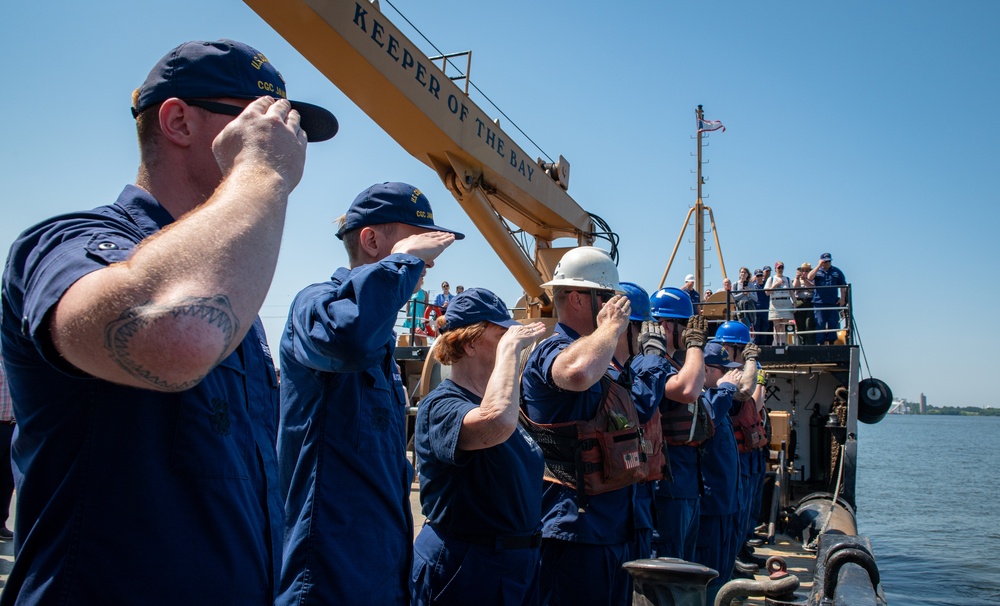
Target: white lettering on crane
430, 82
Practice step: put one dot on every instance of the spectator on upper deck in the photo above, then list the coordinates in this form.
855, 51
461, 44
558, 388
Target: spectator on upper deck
805, 321
745, 297
443, 299
692, 292
761, 323
416, 306
780, 309
827, 299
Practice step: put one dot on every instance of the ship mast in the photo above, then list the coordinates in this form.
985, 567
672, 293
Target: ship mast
699, 217
698, 210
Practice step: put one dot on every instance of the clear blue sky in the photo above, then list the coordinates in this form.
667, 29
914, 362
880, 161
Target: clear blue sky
867, 130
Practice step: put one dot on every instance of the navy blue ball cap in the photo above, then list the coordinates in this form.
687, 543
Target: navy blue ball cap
391, 202
717, 355
225, 68
476, 305
825, 257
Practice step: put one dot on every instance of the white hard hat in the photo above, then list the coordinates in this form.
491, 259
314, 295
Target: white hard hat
586, 267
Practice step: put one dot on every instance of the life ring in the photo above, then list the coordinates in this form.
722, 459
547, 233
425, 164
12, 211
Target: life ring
430, 321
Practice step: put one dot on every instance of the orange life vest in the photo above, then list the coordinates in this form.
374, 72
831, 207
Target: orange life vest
687, 424
595, 456
748, 427
653, 448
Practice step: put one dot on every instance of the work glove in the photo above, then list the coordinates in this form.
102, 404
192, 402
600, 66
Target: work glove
751, 351
652, 341
694, 334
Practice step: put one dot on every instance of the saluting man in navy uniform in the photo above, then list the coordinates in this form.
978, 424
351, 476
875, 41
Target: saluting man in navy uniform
583, 545
143, 387
342, 431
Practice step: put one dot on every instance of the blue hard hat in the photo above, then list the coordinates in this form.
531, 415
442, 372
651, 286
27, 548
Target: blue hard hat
639, 299
733, 332
671, 303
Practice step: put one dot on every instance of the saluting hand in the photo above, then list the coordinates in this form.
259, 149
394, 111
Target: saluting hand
615, 312
426, 246
267, 135
733, 376
520, 336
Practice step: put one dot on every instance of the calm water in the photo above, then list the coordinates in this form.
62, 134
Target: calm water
929, 499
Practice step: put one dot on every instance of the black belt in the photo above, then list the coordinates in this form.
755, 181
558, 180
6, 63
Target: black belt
500, 541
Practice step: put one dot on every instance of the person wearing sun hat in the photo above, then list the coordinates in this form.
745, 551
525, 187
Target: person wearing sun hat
143, 386
480, 472
344, 475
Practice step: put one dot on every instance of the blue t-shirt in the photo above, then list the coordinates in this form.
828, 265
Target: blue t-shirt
115, 484
720, 461
442, 298
491, 491
342, 440
828, 277
608, 518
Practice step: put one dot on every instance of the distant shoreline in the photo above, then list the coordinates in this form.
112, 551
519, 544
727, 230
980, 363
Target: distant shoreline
955, 411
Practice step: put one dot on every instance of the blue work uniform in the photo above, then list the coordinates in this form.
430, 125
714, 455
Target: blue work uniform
751, 481
827, 319
649, 376
126, 495
582, 549
483, 508
678, 504
678, 499
761, 323
720, 503
760, 461
342, 440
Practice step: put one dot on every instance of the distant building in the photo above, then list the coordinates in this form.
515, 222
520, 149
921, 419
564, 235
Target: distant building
923, 404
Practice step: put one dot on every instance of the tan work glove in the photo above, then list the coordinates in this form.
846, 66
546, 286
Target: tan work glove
694, 334
652, 341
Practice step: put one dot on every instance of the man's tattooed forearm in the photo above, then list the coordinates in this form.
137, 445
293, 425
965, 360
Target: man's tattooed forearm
132, 329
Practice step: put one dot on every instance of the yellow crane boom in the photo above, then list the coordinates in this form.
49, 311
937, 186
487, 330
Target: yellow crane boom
363, 53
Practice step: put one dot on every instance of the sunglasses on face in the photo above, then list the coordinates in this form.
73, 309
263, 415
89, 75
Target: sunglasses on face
215, 107
603, 295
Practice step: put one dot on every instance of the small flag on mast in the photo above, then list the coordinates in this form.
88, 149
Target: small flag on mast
705, 126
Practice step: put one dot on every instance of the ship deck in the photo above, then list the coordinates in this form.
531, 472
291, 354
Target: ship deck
798, 561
